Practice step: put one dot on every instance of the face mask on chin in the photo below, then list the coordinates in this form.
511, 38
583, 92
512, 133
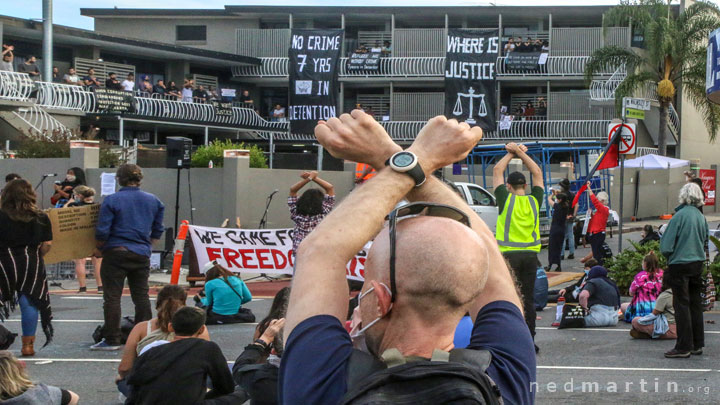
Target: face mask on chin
70, 178
358, 336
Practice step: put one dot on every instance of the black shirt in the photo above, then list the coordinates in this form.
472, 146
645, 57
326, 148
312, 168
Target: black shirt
260, 381
601, 292
176, 373
19, 233
559, 218
113, 84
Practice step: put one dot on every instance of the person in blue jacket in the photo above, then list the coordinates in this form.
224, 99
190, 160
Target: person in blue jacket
225, 293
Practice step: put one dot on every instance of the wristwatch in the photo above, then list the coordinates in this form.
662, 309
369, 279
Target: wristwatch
406, 162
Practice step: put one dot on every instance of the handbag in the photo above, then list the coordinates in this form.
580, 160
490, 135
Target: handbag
708, 295
573, 316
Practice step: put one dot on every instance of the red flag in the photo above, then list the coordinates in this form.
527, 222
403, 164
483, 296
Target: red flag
608, 159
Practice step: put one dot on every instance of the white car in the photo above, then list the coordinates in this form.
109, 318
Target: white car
480, 200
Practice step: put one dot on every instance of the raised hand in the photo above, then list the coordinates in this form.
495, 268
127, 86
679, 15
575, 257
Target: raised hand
442, 142
313, 175
356, 137
273, 330
522, 148
305, 175
511, 147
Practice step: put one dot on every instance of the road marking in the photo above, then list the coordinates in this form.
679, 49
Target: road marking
687, 370
691, 370
607, 329
82, 298
65, 320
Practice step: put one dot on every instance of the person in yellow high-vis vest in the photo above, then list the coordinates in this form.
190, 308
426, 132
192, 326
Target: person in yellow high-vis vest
518, 225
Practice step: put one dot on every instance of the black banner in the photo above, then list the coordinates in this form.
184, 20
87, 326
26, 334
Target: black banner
522, 60
470, 76
364, 62
313, 89
114, 101
222, 108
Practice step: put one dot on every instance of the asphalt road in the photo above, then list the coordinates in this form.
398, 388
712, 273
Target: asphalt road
588, 365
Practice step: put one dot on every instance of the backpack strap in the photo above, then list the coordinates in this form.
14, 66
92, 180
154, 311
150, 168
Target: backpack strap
474, 358
361, 366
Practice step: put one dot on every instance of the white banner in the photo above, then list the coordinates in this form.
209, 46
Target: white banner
266, 251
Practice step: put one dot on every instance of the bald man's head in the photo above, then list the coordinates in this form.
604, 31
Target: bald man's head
441, 266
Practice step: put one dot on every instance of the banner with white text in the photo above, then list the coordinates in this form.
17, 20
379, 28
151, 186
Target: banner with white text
266, 251
313, 73
470, 76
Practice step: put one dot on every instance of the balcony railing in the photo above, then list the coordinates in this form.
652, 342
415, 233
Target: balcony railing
15, 86
554, 66
64, 96
560, 130
394, 67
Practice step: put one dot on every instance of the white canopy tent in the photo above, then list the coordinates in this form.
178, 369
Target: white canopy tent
652, 162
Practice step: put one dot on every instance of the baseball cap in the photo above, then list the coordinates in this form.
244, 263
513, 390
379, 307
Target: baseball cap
208, 266
516, 179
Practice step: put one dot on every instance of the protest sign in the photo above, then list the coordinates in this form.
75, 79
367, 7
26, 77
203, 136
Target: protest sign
470, 76
114, 101
364, 62
524, 60
313, 77
222, 108
266, 251
73, 233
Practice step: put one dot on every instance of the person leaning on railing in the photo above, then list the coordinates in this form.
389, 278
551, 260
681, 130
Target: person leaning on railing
7, 58
173, 91
112, 82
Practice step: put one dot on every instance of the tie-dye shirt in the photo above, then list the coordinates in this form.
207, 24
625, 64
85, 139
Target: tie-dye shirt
644, 291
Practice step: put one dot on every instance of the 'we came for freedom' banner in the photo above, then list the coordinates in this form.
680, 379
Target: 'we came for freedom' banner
470, 76
314, 56
266, 251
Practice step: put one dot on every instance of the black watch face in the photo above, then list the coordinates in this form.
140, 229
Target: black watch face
403, 159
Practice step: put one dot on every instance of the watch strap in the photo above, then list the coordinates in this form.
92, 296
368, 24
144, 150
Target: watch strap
416, 173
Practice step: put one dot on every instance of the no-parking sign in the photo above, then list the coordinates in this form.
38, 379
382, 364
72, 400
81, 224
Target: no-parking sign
628, 144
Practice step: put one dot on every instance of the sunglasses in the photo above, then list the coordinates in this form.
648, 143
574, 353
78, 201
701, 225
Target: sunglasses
418, 209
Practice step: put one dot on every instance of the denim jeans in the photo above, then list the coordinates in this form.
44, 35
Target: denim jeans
601, 315
29, 314
569, 238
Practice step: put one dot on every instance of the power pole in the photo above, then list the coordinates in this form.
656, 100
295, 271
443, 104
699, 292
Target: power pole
47, 44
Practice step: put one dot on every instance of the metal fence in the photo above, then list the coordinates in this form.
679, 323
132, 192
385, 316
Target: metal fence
584, 41
417, 106
552, 130
419, 42
554, 66
263, 42
573, 105
42, 123
15, 86
64, 96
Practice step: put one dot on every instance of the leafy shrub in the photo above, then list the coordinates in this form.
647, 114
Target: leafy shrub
214, 151
715, 265
624, 266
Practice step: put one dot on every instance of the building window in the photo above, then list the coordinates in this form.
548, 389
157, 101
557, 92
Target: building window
191, 33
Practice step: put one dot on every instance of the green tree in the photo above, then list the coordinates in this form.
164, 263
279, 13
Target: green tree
214, 151
674, 53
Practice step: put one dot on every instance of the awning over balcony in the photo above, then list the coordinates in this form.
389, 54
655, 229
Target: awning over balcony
62, 35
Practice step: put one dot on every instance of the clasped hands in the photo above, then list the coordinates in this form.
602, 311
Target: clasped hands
359, 138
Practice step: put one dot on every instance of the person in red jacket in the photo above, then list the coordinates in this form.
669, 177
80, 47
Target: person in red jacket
598, 222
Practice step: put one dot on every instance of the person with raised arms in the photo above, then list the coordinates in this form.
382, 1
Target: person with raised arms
435, 262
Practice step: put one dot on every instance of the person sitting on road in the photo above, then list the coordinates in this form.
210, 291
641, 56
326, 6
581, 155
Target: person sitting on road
644, 289
256, 370
436, 261
648, 234
177, 372
572, 293
601, 298
312, 206
16, 388
663, 306
169, 300
225, 294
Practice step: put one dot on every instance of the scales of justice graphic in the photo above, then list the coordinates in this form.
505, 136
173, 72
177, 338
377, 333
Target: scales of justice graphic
482, 109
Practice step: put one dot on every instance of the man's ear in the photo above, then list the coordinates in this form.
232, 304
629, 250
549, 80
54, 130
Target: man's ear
200, 331
170, 328
384, 300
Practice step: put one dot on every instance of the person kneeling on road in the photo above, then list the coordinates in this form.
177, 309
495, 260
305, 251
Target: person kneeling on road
417, 285
601, 298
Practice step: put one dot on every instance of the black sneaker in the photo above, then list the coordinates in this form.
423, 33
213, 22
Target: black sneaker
537, 349
82, 290
562, 257
571, 256
676, 354
697, 352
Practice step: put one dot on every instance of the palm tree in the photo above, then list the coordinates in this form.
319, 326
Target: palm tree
674, 54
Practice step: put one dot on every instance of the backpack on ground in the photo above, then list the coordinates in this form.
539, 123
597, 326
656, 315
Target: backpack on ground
541, 289
457, 377
127, 323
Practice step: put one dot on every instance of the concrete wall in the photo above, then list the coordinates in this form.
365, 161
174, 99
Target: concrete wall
220, 31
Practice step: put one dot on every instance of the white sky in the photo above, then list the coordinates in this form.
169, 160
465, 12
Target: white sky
67, 12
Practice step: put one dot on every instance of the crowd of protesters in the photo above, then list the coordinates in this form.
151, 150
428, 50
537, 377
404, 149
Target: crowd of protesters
420, 293
528, 45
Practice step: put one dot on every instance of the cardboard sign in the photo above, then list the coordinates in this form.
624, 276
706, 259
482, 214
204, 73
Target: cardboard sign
268, 251
73, 233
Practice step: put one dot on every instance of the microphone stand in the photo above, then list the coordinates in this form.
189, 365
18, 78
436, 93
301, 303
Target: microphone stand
262, 225
42, 191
